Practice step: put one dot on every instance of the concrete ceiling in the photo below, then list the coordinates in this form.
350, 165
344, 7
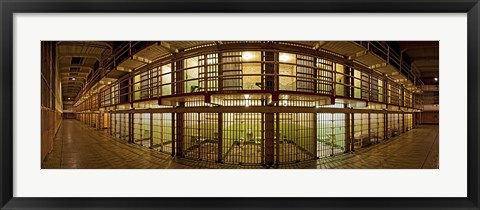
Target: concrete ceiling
76, 59
424, 56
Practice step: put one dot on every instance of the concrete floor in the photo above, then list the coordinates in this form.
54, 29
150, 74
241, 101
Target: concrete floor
79, 146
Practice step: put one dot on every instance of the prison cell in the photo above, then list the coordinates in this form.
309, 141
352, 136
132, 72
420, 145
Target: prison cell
325, 75
208, 72
295, 134
361, 134
121, 126
232, 70
94, 120
330, 134
200, 136
101, 119
306, 73
365, 86
408, 121
376, 127
105, 122
162, 132
393, 126
141, 129
242, 138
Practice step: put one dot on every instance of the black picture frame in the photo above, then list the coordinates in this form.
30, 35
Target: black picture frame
9, 7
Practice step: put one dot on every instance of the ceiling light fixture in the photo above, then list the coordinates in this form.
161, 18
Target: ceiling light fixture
246, 55
284, 58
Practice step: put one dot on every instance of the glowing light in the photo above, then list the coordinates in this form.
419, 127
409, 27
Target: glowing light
246, 55
109, 83
73, 78
284, 58
68, 98
436, 78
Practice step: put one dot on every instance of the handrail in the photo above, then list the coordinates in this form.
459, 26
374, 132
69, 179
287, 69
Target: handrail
109, 62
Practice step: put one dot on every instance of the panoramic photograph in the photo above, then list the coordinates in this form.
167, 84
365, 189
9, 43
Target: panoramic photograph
240, 104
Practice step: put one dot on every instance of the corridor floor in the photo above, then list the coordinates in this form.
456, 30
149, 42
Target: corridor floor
77, 146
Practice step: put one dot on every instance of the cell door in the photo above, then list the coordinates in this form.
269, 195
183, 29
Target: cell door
243, 138
141, 129
162, 132
330, 134
201, 136
296, 137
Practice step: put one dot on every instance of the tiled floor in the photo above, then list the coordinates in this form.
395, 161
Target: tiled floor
79, 146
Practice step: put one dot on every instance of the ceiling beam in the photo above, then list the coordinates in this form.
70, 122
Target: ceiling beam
169, 47
67, 67
319, 45
85, 55
103, 45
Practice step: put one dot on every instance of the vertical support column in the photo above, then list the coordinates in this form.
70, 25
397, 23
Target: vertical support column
348, 139
130, 127
347, 81
220, 137
403, 123
262, 122
220, 73
398, 123
174, 139
314, 117
269, 139
205, 73
369, 129
179, 132
120, 127
151, 130
179, 88
99, 124
110, 123
352, 134
385, 128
